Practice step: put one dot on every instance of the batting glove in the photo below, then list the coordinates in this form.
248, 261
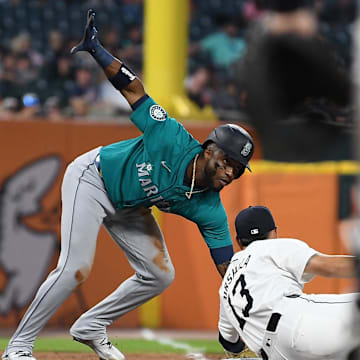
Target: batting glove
89, 41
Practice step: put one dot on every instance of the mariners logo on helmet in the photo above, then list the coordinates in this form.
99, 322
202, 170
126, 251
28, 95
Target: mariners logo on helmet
246, 149
157, 113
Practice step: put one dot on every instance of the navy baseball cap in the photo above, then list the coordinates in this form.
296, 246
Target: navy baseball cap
254, 221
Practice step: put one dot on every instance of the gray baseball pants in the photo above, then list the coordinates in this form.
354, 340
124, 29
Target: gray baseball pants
85, 206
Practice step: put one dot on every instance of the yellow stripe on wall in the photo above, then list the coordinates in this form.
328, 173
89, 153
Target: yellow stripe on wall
324, 167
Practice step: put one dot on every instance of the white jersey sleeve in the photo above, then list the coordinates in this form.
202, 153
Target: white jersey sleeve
292, 255
228, 332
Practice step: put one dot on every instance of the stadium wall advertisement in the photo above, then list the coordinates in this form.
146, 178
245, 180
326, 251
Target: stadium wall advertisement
34, 157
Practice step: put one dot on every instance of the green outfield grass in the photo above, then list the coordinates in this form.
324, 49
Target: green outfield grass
125, 345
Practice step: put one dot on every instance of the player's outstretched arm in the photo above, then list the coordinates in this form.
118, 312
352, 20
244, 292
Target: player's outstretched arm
122, 78
334, 266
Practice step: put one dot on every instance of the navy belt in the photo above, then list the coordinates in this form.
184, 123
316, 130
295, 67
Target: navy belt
271, 327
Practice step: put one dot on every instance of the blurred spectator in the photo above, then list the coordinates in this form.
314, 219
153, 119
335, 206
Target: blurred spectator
336, 12
25, 74
52, 110
83, 92
60, 80
22, 45
132, 11
198, 87
227, 98
8, 76
110, 103
110, 39
132, 47
84, 86
224, 46
8, 108
250, 11
55, 49
80, 107
31, 107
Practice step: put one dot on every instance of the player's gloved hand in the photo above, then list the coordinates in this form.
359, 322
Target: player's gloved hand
242, 354
89, 41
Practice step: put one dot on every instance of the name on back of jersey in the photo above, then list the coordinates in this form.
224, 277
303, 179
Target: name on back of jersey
231, 274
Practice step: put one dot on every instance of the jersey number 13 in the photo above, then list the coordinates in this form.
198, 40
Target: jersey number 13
244, 292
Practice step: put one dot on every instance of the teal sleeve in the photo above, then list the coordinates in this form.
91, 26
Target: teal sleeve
141, 116
159, 129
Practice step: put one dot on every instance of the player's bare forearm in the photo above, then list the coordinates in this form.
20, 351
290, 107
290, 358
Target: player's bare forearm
134, 91
222, 268
334, 266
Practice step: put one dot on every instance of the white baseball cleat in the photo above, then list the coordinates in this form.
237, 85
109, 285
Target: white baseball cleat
103, 348
19, 355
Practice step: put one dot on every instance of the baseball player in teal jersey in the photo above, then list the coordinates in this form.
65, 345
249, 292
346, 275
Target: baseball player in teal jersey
116, 186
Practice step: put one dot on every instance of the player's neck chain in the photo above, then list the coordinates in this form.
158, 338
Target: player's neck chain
188, 194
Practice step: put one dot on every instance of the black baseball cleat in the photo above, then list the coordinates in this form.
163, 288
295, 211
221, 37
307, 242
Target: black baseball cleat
89, 40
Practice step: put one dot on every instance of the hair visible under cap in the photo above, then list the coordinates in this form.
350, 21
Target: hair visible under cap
246, 242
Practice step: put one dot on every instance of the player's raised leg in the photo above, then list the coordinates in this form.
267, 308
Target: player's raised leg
137, 233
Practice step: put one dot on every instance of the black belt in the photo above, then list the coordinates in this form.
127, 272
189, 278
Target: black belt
292, 296
271, 327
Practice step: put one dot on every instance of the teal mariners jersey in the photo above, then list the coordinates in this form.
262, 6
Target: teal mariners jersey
149, 170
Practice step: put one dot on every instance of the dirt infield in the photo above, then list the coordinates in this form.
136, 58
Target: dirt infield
87, 356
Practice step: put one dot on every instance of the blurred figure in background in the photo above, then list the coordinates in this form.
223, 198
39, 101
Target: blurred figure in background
52, 110
198, 86
56, 49
223, 46
61, 79
110, 39
83, 92
295, 87
8, 108
22, 44
8, 76
31, 107
132, 47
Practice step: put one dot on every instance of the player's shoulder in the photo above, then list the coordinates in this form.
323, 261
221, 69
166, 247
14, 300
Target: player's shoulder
280, 243
287, 245
147, 106
290, 242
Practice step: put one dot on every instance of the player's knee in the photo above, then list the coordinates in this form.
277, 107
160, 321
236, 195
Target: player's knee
82, 274
75, 276
166, 278
77, 329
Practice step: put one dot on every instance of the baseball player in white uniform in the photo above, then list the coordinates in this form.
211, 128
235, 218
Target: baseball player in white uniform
262, 303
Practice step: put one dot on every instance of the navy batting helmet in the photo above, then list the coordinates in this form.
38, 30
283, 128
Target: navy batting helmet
234, 141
